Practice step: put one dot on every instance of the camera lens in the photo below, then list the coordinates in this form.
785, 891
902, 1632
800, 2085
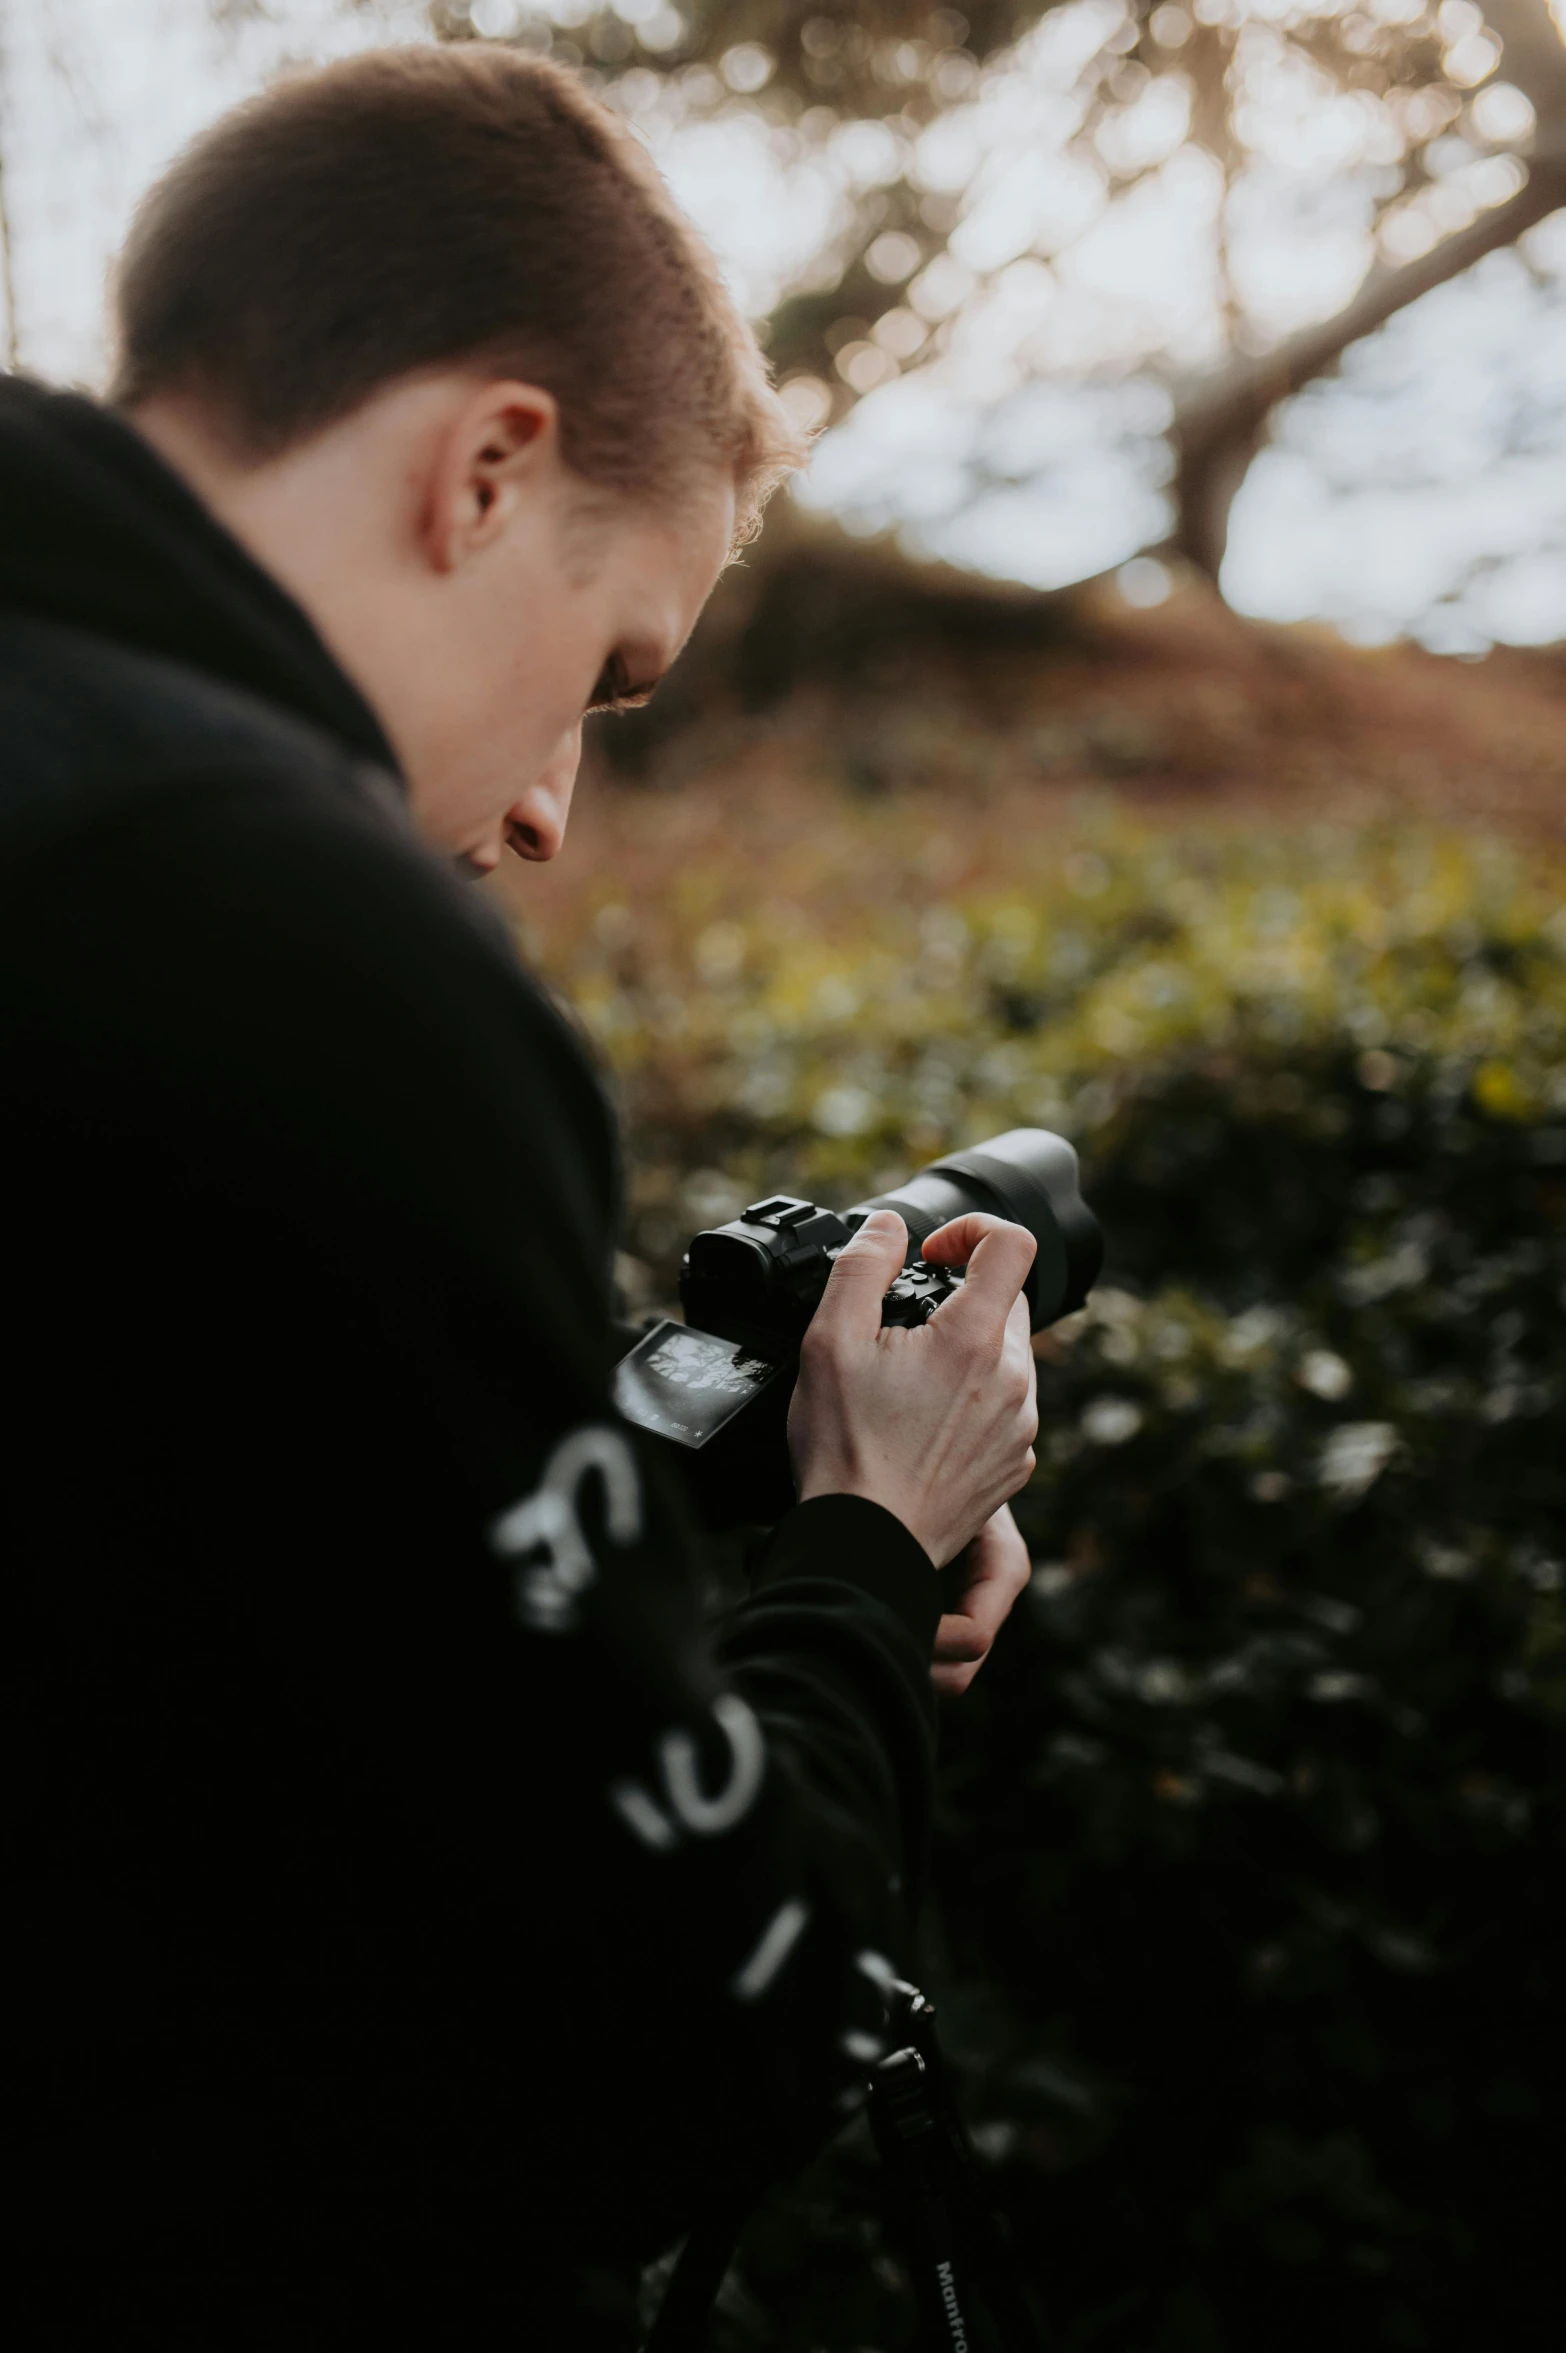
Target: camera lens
1027, 1175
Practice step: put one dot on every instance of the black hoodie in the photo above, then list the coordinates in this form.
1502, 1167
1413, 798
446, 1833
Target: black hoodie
419, 1906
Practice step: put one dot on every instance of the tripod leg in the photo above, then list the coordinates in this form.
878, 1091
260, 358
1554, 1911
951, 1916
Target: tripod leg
684, 2319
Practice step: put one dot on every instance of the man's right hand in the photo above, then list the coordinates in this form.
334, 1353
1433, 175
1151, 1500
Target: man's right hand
937, 1422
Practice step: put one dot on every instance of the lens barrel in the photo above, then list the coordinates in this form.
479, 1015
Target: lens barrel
1026, 1175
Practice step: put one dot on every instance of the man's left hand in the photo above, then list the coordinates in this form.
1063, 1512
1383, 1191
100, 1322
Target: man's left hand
996, 1567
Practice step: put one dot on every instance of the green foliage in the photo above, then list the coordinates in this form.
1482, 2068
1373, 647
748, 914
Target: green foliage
1248, 1920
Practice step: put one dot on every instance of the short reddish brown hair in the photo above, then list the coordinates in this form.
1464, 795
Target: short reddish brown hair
416, 207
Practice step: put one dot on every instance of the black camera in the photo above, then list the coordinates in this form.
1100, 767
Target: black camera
717, 1386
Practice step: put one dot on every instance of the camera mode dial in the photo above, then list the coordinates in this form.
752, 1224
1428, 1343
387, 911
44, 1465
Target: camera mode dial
917, 1293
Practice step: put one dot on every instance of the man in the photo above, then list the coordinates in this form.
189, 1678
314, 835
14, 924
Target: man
420, 1910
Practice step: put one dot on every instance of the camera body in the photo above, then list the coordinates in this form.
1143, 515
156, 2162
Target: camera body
759, 1279
717, 1386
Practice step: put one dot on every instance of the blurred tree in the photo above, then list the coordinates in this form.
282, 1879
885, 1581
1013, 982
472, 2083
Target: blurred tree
8, 351
1218, 430
1401, 103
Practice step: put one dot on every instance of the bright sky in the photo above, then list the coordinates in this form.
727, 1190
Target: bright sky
1424, 490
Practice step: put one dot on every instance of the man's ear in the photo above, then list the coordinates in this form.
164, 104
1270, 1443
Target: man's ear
487, 459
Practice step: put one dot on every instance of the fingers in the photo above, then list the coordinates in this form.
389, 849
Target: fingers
954, 1243
989, 1340
1019, 1345
999, 1571
952, 1682
865, 1270
998, 1257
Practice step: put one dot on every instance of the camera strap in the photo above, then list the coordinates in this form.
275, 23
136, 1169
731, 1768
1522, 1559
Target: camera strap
684, 2317
967, 2289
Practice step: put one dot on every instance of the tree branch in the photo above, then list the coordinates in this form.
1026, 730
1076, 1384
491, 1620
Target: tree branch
1217, 432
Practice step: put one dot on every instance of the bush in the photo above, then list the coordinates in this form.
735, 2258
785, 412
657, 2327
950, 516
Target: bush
1248, 1925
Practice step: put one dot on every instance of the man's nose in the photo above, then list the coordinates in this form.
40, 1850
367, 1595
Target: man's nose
536, 820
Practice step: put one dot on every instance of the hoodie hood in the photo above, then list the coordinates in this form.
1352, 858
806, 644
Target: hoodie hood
96, 531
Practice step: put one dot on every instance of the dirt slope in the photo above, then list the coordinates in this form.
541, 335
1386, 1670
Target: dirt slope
835, 688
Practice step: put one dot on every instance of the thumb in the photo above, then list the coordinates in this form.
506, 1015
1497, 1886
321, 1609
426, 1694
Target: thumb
866, 1267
